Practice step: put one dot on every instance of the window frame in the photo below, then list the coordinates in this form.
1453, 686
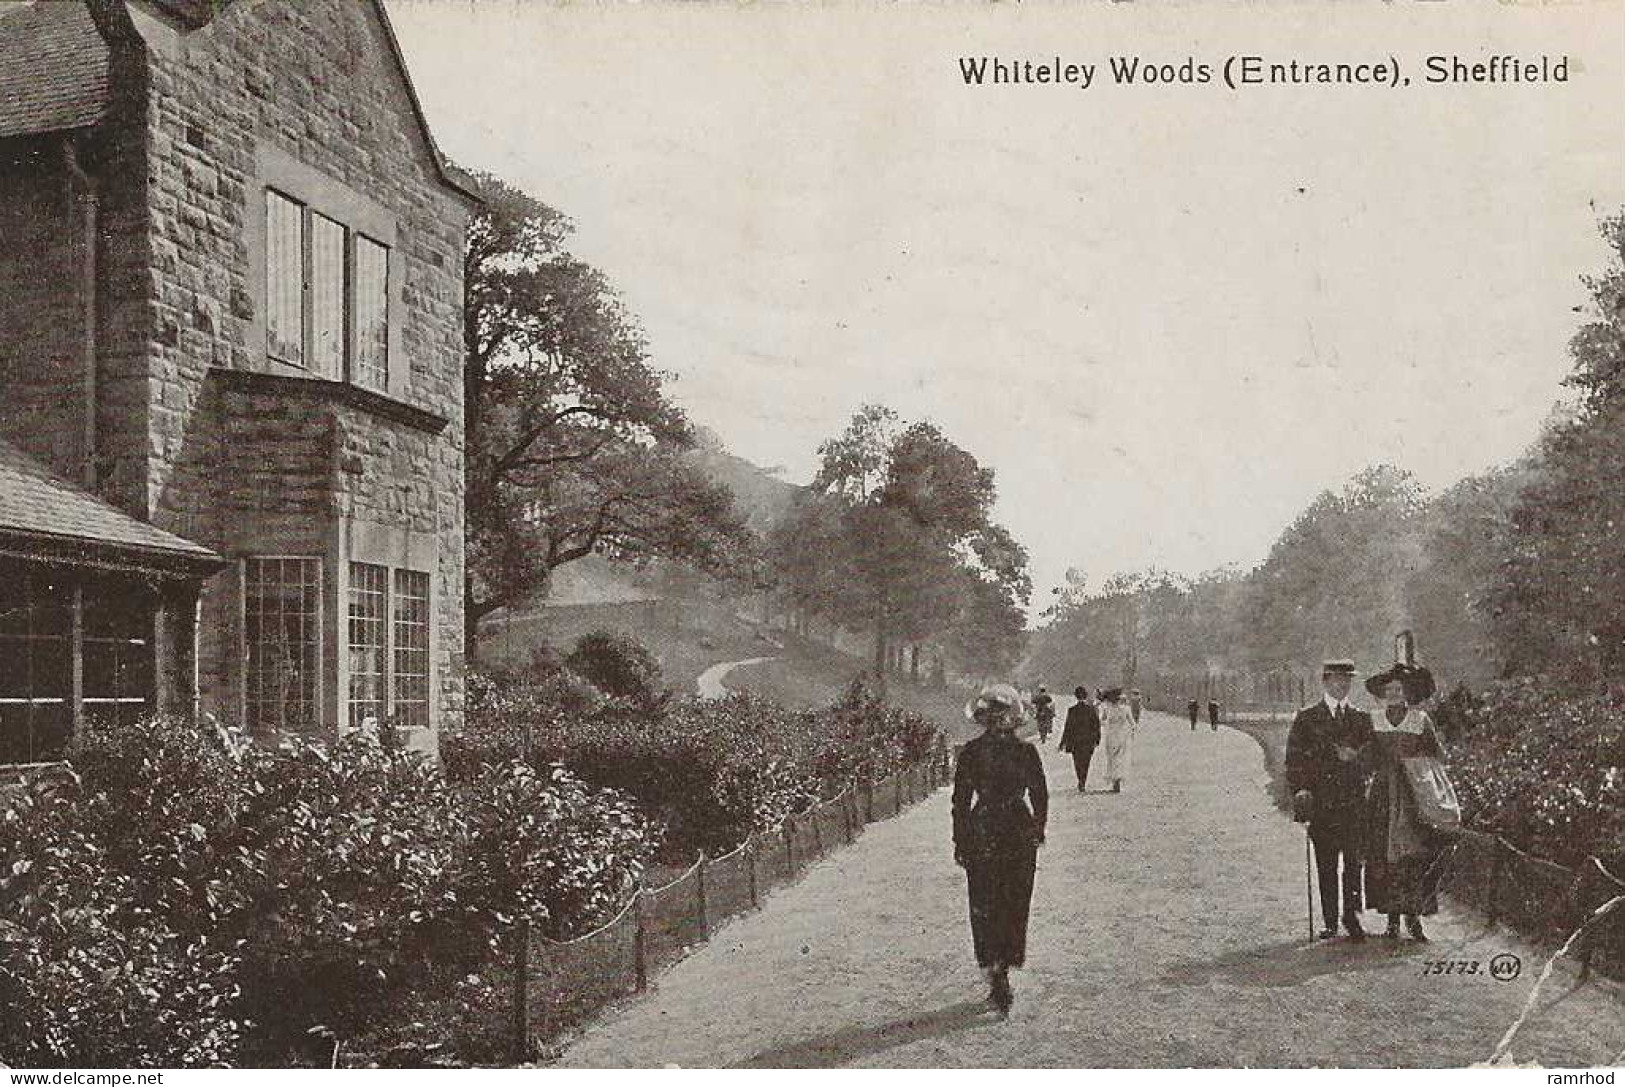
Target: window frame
83, 595
389, 692
384, 649
356, 229
319, 663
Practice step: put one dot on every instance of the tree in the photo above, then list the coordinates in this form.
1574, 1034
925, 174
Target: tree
1556, 605
572, 444
897, 527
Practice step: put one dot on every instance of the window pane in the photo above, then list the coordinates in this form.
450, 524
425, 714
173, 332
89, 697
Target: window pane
411, 617
282, 617
284, 279
326, 296
368, 591
371, 314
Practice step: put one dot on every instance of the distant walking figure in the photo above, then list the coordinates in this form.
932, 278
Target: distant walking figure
1194, 711
1213, 714
1117, 733
1136, 703
1081, 735
1000, 806
1044, 710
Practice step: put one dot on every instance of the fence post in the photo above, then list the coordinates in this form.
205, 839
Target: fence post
521, 991
750, 867
640, 943
818, 832
790, 845
1577, 915
868, 802
897, 779
1497, 864
846, 813
699, 894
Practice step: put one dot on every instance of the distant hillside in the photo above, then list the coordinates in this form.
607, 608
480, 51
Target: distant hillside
760, 494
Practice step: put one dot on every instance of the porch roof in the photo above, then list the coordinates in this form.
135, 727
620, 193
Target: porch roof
53, 517
53, 69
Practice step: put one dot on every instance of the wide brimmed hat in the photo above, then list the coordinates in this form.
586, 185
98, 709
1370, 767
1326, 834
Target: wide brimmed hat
1112, 694
995, 696
1418, 682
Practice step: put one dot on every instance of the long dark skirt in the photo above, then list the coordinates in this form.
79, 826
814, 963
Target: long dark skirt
1408, 884
1001, 890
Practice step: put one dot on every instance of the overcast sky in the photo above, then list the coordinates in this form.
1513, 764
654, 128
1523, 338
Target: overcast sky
1167, 316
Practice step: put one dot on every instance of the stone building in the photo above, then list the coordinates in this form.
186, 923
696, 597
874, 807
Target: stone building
231, 424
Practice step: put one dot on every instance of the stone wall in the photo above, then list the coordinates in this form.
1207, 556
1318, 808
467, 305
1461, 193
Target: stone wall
244, 472
42, 314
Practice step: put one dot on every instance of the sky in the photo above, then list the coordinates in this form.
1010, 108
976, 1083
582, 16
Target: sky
1167, 316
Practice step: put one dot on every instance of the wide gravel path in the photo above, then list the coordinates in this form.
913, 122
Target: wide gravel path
1168, 931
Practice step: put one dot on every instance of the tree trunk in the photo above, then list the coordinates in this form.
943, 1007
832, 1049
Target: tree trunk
914, 663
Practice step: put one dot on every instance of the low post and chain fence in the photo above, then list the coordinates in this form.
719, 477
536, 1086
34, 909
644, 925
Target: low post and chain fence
557, 984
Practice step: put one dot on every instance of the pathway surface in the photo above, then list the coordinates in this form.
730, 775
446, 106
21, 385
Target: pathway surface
1168, 931
710, 682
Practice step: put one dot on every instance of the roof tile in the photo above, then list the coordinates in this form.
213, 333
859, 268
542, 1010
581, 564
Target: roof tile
53, 69
35, 502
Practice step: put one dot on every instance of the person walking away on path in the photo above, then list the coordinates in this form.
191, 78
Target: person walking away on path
1117, 734
1044, 710
1000, 805
1403, 856
1136, 703
1213, 714
1193, 710
1081, 735
1328, 792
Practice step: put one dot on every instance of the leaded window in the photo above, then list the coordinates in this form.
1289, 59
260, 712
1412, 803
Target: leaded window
411, 620
369, 644
282, 618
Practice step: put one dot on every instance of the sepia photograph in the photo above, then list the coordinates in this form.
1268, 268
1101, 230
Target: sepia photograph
817, 534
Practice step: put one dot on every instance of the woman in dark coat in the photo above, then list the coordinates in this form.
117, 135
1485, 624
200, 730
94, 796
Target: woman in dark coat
1000, 806
1402, 857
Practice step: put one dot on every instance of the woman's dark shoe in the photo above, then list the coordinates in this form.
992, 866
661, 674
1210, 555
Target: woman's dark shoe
1117, 786
1328, 934
1393, 927
1413, 925
1356, 930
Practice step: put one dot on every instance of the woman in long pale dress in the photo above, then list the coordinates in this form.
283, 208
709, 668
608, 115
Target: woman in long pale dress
1116, 735
1402, 856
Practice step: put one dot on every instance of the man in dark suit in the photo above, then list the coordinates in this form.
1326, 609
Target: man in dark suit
1327, 792
1191, 710
1081, 735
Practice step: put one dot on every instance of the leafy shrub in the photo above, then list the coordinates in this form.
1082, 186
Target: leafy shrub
708, 772
619, 666
90, 974
1547, 770
184, 901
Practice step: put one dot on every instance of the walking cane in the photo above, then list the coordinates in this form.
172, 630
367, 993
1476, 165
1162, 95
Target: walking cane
1308, 885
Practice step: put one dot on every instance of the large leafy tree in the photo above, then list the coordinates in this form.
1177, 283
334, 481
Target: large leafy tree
1556, 607
897, 538
573, 445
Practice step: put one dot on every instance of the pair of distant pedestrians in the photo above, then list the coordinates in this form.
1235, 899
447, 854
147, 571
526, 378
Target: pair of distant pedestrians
1109, 724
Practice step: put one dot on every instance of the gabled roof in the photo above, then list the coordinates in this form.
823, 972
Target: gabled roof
54, 64
46, 509
53, 69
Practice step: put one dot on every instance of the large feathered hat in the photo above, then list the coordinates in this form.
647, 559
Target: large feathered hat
1418, 681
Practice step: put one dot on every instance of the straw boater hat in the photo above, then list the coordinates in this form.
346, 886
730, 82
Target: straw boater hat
996, 696
1418, 681
1338, 667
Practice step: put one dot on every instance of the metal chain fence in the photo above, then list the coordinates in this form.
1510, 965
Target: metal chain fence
557, 984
